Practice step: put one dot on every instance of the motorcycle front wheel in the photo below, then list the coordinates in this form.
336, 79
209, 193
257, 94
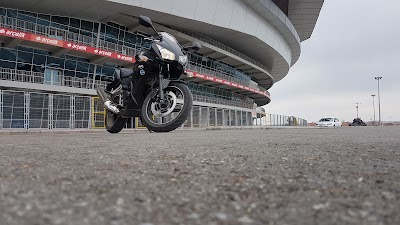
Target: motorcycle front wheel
167, 116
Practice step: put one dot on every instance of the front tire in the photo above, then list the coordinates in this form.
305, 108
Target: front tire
158, 118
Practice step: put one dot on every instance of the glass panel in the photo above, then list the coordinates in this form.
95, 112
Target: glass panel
55, 62
82, 59
47, 76
24, 66
87, 26
39, 51
3, 12
111, 34
69, 73
129, 37
82, 66
8, 54
24, 57
52, 77
39, 59
27, 16
12, 13
81, 75
56, 77
6, 64
70, 65
108, 71
38, 68
75, 23
71, 57
60, 22
25, 49
43, 22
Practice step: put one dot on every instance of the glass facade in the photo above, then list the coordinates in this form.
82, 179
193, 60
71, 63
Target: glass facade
28, 59
219, 96
39, 61
110, 34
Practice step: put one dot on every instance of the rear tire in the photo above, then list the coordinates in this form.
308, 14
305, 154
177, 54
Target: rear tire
114, 123
184, 112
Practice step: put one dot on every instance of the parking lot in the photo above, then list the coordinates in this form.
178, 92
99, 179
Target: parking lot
348, 175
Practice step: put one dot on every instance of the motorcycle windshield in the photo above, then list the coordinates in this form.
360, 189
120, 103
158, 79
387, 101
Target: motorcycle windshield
169, 42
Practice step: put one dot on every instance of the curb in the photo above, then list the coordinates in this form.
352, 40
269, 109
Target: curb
93, 131
64, 131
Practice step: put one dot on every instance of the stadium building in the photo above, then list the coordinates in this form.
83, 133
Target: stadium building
54, 54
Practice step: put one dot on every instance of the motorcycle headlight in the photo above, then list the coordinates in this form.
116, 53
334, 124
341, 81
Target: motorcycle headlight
183, 60
165, 53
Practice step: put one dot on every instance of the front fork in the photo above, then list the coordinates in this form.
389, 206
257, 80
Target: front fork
163, 83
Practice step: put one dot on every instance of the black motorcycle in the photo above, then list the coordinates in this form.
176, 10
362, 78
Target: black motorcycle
152, 90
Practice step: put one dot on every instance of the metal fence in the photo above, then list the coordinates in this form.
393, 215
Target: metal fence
24, 109
28, 110
282, 120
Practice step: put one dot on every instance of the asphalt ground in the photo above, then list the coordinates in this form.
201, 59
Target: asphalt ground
265, 176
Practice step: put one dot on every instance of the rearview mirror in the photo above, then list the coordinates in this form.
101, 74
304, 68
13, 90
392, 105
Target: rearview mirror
194, 47
145, 21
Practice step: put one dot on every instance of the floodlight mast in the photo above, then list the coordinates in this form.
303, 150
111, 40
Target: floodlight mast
379, 101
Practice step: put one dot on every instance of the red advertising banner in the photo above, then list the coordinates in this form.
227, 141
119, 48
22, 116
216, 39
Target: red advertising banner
47, 40
101, 52
222, 81
64, 44
15, 34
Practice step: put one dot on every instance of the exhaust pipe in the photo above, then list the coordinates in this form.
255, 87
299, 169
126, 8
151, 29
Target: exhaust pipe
108, 104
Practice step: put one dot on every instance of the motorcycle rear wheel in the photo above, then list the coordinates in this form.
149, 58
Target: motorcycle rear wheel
114, 123
179, 102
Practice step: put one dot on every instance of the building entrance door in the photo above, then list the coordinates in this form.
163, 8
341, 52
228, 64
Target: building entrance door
52, 77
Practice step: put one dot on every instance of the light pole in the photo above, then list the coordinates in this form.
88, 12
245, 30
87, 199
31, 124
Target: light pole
357, 108
379, 101
373, 105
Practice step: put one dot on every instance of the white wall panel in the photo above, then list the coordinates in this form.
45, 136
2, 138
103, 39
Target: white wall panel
251, 23
131, 2
261, 31
238, 15
162, 6
224, 15
206, 10
184, 8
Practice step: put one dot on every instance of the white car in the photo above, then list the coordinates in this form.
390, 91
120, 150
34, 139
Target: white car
329, 122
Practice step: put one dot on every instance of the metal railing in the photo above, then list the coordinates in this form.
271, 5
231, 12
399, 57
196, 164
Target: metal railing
220, 74
39, 78
221, 101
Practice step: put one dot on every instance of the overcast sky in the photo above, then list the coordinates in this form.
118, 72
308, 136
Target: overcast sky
353, 42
